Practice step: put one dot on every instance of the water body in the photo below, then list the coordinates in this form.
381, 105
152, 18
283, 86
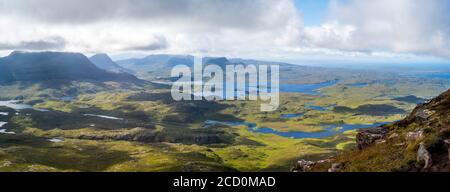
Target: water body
311, 89
328, 131
357, 84
55, 140
4, 113
16, 105
3, 131
317, 108
434, 75
104, 117
294, 115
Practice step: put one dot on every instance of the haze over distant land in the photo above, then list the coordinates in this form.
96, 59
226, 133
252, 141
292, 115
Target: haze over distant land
294, 31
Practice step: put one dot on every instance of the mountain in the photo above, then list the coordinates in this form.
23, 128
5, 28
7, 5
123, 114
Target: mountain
48, 66
220, 61
156, 65
420, 142
103, 61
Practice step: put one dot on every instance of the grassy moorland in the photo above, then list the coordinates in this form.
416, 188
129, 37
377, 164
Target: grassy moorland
147, 131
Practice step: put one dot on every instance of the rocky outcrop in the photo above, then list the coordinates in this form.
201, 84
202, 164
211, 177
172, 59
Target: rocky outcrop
303, 166
414, 136
306, 166
336, 167
422, 115
370, 136
424, 156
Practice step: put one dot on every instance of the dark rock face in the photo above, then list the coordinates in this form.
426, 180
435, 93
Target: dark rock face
103, 61
368, 137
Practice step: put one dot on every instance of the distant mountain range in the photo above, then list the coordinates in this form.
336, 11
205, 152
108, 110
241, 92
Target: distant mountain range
156, 65
103, 61
48, 66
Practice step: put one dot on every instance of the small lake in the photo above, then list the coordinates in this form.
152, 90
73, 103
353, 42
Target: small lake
311, 89
56, 140
104, 117
357, 84
289, 116
316, 108
16, 105
4, 131
329, 130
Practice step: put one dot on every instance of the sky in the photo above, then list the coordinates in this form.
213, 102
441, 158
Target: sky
297, 31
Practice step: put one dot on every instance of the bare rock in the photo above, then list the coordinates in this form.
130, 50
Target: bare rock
423, 115
448, 154
368, 137
380, 141
303, 166
336, 167
447, 144
423, 155
414, 136
393, 136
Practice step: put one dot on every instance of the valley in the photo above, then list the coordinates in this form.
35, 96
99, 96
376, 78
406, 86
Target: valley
117, 122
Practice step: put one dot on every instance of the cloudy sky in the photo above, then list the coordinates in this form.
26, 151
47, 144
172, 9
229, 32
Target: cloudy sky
287, 30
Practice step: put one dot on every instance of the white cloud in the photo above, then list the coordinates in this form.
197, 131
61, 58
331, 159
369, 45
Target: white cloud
172, 26
235, 28
400, 26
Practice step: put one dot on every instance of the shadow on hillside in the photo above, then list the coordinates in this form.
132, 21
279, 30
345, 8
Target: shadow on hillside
77, 156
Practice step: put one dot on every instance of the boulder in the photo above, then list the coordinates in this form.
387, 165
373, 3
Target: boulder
303, 166
447, 144
423, 115
368, 137
414, 136
424, 156
448, 154
393, 136
336, 167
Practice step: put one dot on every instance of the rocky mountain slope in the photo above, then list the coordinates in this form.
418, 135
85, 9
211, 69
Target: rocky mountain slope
49, 66
156, 65
420, 142
103, 61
